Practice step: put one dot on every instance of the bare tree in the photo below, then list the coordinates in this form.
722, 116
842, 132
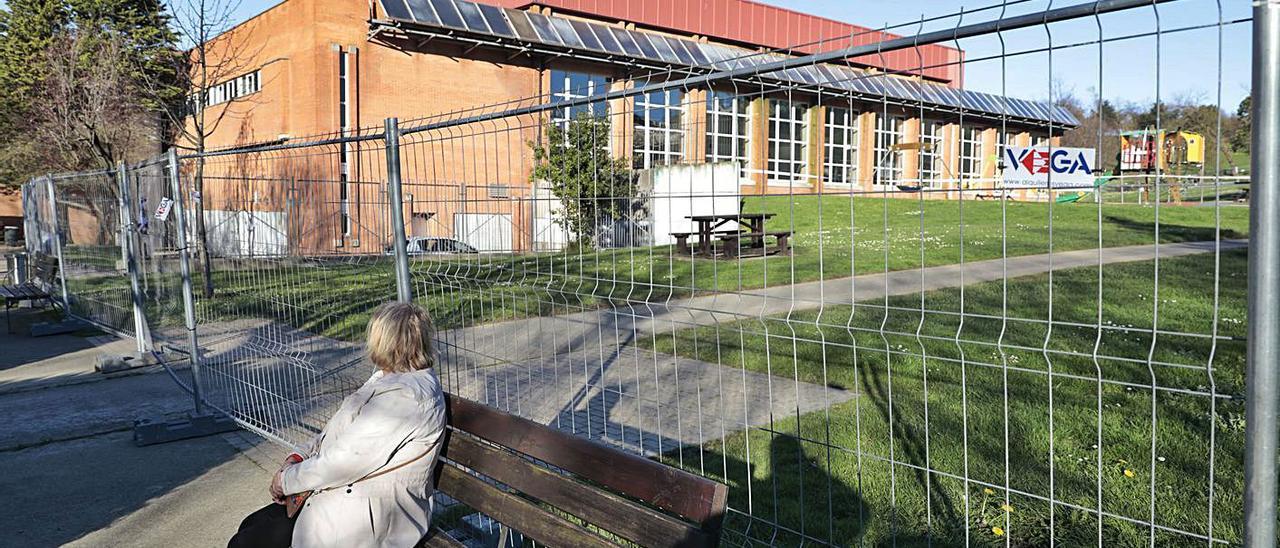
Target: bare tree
90, 114
217, 55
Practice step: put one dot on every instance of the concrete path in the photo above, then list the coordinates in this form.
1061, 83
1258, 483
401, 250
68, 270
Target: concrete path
72, 474
581, 372
499, 340
641, 401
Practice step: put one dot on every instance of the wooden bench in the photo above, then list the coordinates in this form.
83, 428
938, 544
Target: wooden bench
46, 274
682, 239
550, 486
732, 248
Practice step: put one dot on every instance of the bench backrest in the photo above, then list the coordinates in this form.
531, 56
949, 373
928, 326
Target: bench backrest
642, 501
45, 269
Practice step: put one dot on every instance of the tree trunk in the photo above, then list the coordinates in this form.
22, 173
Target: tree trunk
201, 234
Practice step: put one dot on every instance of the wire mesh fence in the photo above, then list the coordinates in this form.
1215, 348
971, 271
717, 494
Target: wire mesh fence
820, 284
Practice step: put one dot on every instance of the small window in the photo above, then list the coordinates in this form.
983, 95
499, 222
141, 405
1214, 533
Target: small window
499, 191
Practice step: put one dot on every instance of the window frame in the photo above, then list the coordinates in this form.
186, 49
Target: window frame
886, 136
669, 104
931, 162
970, 154
739, 116
798, 142
847, 151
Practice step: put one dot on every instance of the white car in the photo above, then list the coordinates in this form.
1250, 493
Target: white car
434, 245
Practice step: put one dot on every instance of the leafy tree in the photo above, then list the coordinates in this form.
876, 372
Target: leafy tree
1240, 138
54, 57
593, 186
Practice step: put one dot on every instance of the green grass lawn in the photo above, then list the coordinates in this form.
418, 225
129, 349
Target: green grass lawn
987, 402
834, 237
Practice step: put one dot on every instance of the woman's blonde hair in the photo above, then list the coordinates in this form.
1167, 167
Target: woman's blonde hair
400, 338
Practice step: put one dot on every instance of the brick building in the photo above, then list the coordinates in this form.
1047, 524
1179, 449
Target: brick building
335, 66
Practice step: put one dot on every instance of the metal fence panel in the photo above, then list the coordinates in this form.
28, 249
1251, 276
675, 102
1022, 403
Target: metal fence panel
822, 293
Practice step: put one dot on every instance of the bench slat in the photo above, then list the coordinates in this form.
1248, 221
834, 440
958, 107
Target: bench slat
693, 497
529, 519
595, 506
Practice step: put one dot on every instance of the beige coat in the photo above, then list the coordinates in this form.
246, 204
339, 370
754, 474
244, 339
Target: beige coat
391, 419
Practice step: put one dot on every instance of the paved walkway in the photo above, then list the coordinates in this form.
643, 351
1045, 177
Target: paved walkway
581, 372
499, 340
72, 475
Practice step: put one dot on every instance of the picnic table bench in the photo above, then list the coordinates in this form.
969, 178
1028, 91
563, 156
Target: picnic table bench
549, 485
733, 243
46, 273
750, 226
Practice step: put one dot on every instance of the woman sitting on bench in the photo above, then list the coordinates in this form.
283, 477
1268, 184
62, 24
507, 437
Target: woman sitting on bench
366, 479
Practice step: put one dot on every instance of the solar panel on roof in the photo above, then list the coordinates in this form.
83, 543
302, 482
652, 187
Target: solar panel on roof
422, 12
471, 16
542, 25
695, 53
396, 9
664, 48
520, 22
628, 43
608, 42
1020, 108
585, 34
973, 101
646, 48
448, 14
566, 32
869, 84
497, 20
715, 56
681, 52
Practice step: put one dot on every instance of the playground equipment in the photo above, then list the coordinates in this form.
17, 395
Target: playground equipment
1153, 150
1149, 150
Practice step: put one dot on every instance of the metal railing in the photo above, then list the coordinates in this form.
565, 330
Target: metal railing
933, 356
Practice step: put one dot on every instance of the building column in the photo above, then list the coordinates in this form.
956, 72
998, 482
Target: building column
911, 156
759, 153
866, 149
990, 154
621, 128
951, 158
1023, 140
816, 151
695, 126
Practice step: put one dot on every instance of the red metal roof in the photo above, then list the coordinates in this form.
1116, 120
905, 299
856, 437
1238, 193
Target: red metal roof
753, 23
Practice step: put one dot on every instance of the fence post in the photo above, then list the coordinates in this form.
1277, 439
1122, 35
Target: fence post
142, 335
1263, 357
188, 294
404, 291
57, 243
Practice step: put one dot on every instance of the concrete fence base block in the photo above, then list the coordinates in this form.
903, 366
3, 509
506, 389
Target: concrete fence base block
150, 432
44, 329
114, 363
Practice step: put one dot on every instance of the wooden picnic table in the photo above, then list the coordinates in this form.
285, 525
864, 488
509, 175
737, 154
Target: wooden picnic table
752, 223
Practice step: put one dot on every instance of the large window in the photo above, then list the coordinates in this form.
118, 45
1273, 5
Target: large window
840, 163
566, 86
788, 141
344, 123
659, 132
931, 163
728, 128
971, 153
888, 167
234, 88
1004, 139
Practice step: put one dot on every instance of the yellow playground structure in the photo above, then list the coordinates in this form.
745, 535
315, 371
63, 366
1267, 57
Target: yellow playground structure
1150, 150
